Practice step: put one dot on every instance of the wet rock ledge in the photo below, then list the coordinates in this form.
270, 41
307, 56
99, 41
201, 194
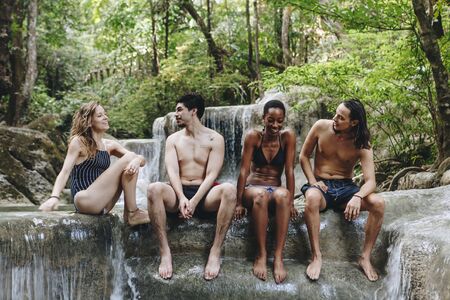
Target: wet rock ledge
62, 253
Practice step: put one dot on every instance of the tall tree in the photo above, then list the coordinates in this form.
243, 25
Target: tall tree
23, 64
216, 52
429, 43
31, 71
6, 7
208, 14
251, 69
166, 27
287, 58
155, 60
257, 69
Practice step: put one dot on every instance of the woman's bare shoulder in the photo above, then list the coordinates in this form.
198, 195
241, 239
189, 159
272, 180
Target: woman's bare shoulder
253, 135
110, 143
288, 132
75, 142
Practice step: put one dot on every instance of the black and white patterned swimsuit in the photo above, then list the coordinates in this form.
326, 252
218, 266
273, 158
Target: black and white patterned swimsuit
85, 173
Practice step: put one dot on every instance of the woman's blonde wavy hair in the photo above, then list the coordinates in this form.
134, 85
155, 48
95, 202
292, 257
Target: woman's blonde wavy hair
81, 128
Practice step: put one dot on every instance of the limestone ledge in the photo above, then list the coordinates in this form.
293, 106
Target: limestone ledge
412, 252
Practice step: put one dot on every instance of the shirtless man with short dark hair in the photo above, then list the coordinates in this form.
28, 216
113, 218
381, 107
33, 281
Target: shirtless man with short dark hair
194, 158
339, 144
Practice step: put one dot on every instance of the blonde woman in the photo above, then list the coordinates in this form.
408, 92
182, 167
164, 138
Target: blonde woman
95, 184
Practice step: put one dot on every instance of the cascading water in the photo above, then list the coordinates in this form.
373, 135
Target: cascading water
232, 123
150, 150
54, 258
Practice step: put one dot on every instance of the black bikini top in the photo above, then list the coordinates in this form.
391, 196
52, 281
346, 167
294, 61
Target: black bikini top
259, 158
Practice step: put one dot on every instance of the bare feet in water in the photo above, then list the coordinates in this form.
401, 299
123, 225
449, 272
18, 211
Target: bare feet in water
213, 266
165, 267
313, 270
260, 267
368, 269
279, 273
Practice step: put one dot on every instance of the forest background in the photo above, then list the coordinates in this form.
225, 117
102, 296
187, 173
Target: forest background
136, 57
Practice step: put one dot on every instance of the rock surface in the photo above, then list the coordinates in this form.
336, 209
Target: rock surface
79, 254
413, 180
29, 162
445, 179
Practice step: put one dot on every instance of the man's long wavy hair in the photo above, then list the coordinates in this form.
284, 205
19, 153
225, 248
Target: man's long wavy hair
361, 131
81, 127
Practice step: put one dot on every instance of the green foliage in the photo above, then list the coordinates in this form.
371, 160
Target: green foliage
377, 58
386, 76
133, 113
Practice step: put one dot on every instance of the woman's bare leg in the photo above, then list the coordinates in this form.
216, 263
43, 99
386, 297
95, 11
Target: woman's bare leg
132, 215
102, 192
282, 213
259, 203
129, 190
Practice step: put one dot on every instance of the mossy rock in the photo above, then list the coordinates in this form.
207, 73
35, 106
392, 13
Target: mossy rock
29, 162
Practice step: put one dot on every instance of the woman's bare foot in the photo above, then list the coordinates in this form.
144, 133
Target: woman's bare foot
136, 217
260, 267
313, 270
213, 266
279, 273
368, 269
165, 267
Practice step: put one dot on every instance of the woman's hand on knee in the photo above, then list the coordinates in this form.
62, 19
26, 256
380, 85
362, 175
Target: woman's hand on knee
133, 167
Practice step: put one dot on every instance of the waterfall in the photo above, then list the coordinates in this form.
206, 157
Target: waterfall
150, 150
48, 259
232, 122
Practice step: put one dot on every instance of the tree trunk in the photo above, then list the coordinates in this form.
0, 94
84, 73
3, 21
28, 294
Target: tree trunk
258, 72
208, 15
31, 73
277, 28
216, 52
166, 28
6, 7
208, 25
430, 46
155, 60
17, 62
249, 40
287, 58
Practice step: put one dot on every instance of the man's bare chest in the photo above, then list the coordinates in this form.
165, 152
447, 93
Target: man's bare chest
193, 151
339, 151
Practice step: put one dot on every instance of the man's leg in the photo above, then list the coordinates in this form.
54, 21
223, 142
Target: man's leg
374, 204
221, 198
257, 200
161, 197
282, 213
315, 202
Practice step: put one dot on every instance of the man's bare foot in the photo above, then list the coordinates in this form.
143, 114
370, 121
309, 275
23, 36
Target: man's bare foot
368, 269
213, 266
260, 267
165, 267
279, 273
313, 270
